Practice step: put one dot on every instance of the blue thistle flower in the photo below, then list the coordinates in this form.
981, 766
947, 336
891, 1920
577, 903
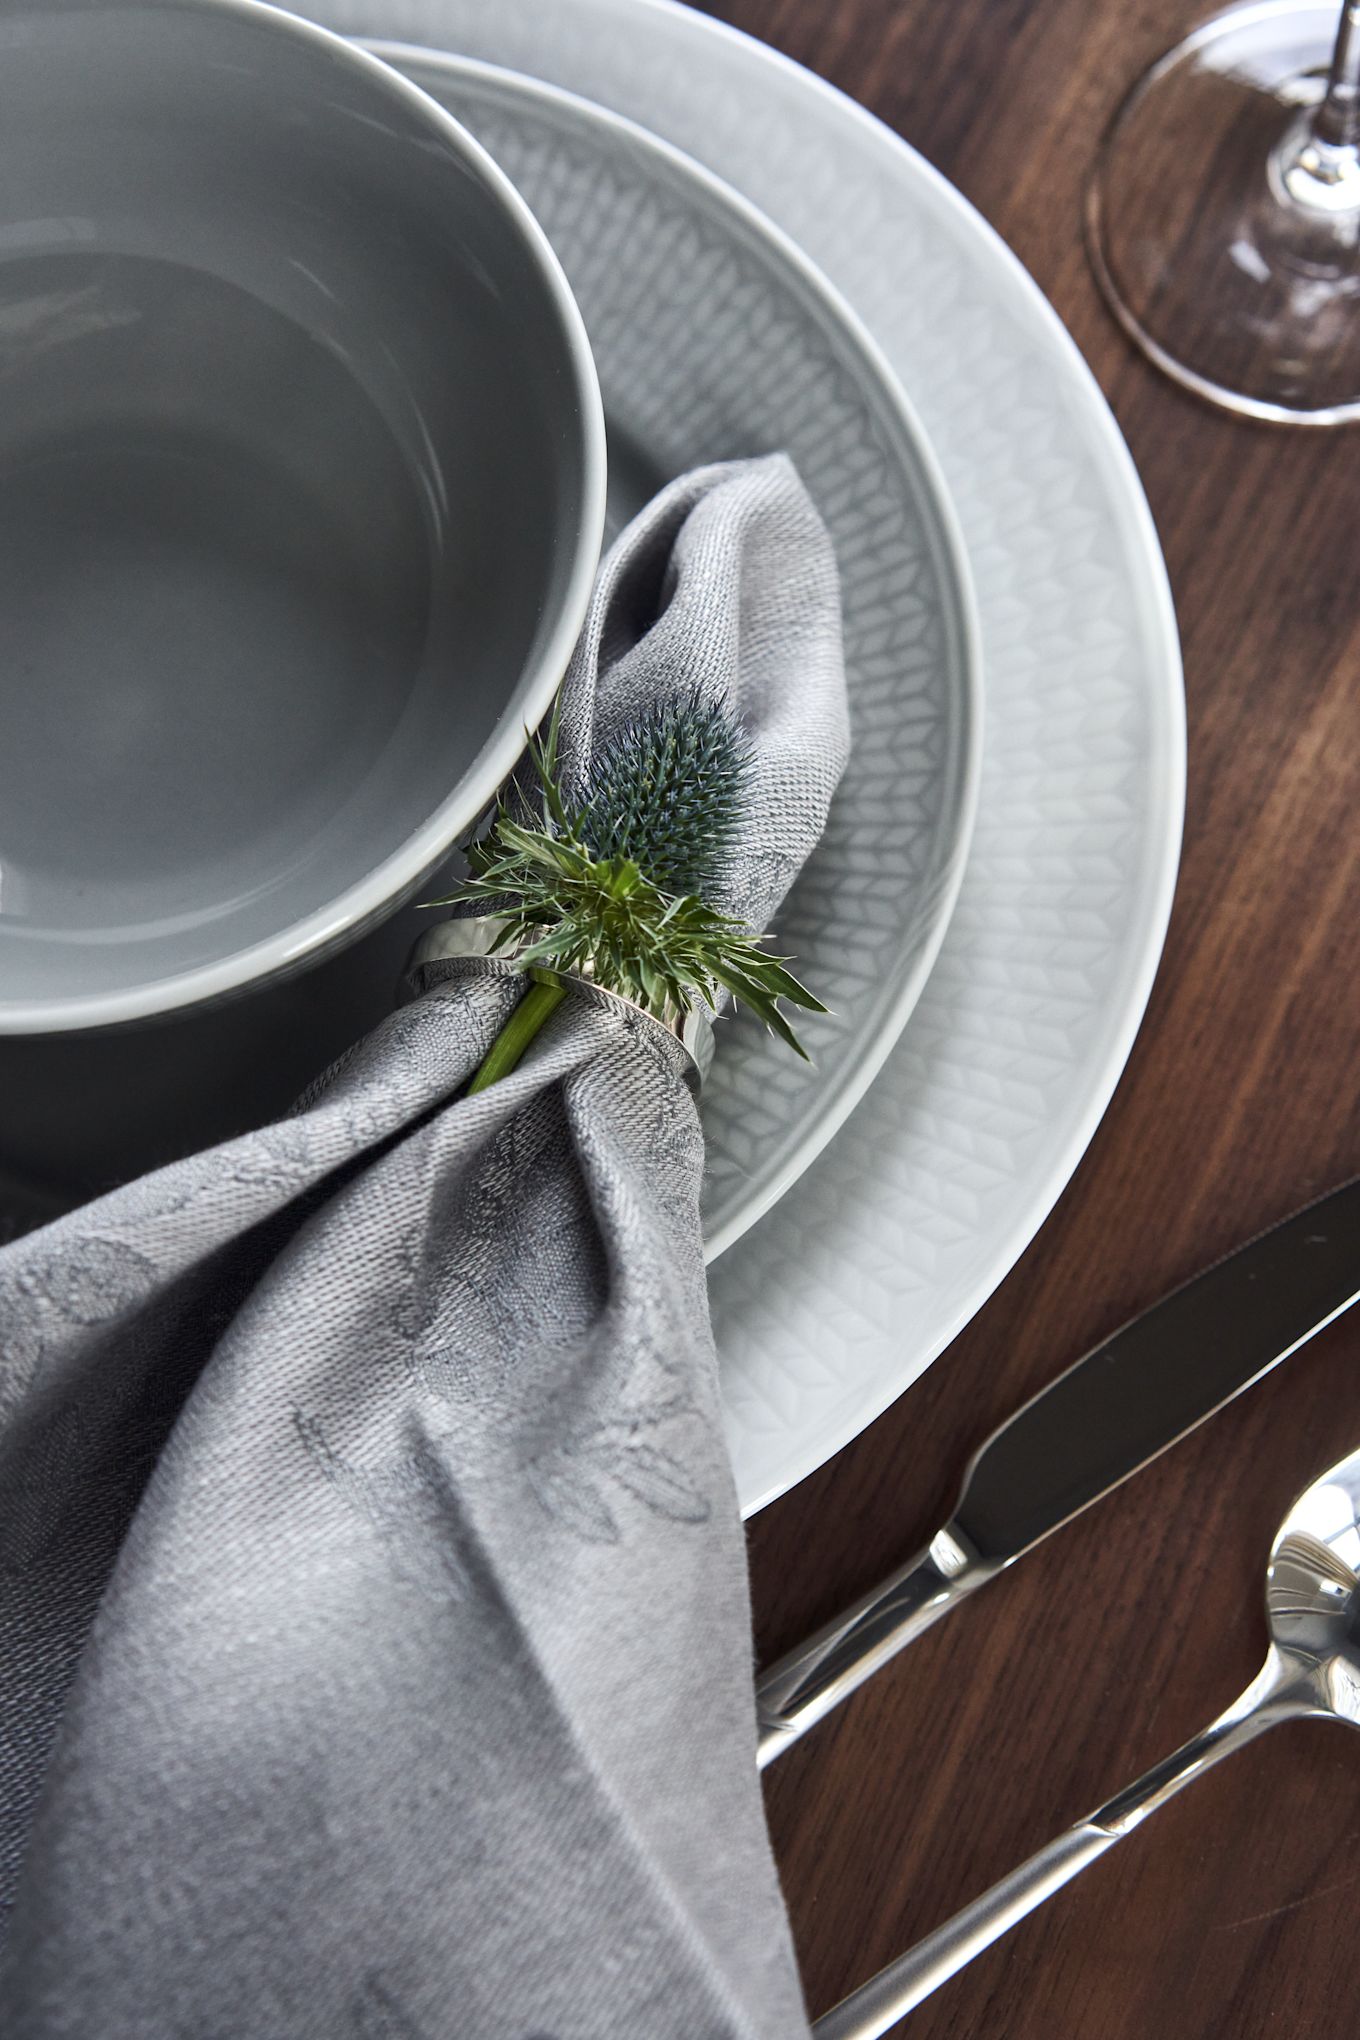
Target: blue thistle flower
614, 887
669, 793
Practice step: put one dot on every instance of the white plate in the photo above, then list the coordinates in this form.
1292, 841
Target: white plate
715, 338
846, 1291
867, 1268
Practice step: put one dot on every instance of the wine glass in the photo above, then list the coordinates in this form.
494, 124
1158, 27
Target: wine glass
1223, 216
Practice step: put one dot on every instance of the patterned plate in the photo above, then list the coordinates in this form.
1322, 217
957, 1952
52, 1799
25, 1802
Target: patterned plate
715, 338
867, 1267
848, 1289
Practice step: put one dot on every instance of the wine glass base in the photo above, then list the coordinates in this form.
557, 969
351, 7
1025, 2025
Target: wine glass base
1228, 251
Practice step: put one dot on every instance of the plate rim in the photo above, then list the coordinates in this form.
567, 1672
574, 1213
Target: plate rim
852, 1083
1047, 1185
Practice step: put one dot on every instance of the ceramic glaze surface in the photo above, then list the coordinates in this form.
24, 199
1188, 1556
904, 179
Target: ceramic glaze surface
299, 497
208, 637
714, 340
866, 1269
869, 1265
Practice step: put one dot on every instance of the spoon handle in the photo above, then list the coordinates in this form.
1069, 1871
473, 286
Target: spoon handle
877, 2006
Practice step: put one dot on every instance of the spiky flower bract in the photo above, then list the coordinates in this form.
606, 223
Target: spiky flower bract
668, 793
572, 891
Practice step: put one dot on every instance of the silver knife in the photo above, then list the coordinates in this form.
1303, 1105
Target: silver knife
1129, 1399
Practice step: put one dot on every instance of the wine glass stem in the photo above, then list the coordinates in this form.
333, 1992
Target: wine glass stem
1337, 120
1315, 166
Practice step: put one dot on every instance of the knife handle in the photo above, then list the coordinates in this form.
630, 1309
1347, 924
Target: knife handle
815, 1677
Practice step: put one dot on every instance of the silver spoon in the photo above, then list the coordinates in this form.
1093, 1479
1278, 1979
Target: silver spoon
1311, 1668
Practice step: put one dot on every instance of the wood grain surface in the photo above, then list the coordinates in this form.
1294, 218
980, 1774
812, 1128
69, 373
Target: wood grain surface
1232, 1916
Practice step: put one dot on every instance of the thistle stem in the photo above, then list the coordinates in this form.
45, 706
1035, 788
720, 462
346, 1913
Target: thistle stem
538, 1003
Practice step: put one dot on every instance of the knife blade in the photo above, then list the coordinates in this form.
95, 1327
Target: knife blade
1138, 1392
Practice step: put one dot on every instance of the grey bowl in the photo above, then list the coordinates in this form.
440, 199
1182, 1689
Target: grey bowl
301, 492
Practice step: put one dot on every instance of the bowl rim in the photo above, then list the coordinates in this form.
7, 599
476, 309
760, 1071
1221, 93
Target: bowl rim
383, 887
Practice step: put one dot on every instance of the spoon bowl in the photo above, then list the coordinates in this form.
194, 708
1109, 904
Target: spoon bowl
1312, 1668
1313, 1591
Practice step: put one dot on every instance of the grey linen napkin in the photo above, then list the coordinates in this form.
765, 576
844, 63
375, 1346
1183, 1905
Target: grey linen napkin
374, 1631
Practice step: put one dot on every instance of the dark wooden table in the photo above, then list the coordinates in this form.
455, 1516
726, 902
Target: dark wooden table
1233, 1915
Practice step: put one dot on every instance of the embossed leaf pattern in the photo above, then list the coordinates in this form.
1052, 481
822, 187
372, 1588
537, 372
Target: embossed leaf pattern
21, 1345
279, 1156
401, 1500
657, 1480
571, 1484
87, 1283
573, 1499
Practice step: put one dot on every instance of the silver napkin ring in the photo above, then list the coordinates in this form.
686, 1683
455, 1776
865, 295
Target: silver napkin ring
469, 941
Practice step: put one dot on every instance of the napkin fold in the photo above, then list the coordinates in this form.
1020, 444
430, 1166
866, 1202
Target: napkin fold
374, 1633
